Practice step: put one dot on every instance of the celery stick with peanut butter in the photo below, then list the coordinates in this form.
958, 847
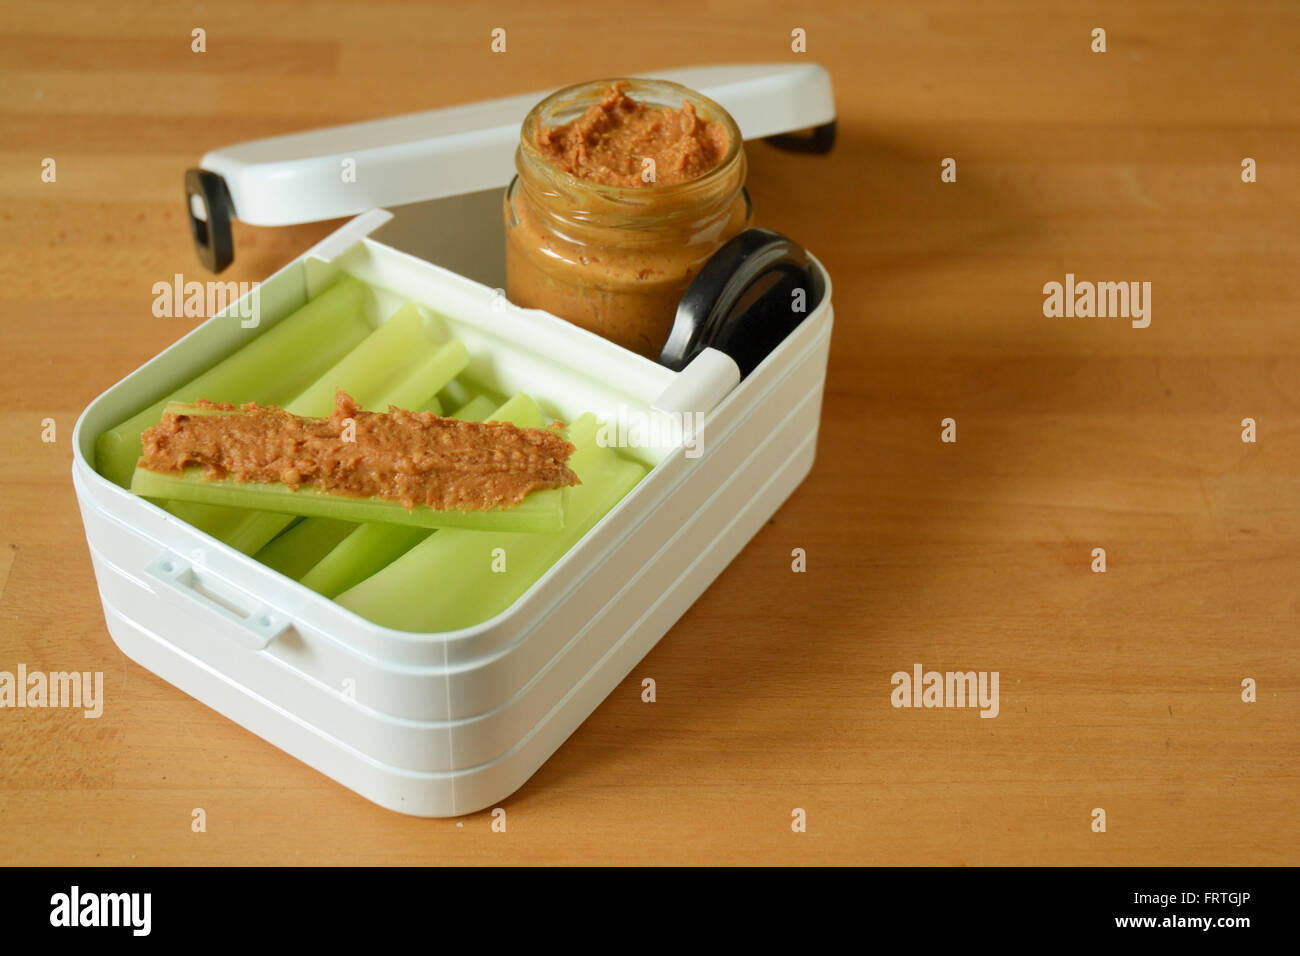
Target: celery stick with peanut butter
398, 466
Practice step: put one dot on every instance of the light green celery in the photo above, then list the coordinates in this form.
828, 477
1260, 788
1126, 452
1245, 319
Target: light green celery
224, 524
521, 410
479, 409
459, 392
399, 360
271, 368
455, 394
368, 548
449, 581
422, 384
294, 551
541, 511
397, 349
372, 547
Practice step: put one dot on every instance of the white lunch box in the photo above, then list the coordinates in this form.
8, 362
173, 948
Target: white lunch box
449, 723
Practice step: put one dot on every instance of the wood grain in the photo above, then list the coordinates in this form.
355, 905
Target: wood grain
1118, 690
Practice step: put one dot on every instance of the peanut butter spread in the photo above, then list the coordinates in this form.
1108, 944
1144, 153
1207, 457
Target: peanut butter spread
398, 455
611, 140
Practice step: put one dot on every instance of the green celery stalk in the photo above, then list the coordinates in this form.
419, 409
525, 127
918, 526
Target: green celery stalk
420, 387
455, 393
521, 410
541, 511
458, 393
372, 547
271, 368
448, 581
294, 551
396, 361
396, 351
481, 409
224, 524
303, 545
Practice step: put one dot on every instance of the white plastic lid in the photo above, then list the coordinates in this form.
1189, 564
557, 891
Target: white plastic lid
301, 177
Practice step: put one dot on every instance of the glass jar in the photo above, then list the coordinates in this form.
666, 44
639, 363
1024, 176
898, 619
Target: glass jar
617, 259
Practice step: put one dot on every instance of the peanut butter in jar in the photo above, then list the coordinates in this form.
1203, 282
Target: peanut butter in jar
625, 188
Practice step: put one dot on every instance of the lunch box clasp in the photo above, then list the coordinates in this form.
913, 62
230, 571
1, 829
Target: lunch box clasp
255, 628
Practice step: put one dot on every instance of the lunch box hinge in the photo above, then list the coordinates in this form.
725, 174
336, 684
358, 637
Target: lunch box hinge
207, 200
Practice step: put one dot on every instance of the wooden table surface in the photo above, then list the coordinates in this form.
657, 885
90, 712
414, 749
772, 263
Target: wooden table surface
1119, 690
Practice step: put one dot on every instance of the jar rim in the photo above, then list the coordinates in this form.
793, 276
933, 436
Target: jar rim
574, 94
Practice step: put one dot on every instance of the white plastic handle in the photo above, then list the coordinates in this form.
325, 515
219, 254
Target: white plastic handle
256, 628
